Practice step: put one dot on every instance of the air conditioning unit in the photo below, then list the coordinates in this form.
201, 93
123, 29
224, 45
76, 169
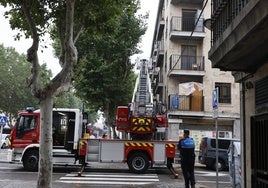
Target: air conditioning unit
157, 69
154, 60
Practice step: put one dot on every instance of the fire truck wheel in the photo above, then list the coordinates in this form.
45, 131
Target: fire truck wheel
138, 162
30, 160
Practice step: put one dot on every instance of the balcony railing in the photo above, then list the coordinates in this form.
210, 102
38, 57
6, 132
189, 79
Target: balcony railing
187, 1
186, 103
187, 24
185, 62
159, 45
224, 13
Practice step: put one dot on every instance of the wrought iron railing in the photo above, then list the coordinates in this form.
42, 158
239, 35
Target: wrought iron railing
185, 62
186, 103
187, 24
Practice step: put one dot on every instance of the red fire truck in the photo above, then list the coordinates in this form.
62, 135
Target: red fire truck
138, 120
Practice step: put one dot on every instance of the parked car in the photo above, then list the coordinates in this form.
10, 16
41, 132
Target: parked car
207, 152
4, 141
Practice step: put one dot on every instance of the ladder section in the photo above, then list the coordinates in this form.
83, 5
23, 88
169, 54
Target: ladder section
142, 95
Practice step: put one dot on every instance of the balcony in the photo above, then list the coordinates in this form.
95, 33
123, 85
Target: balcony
186, 27
159, 52
160, 29
239, 35
160, 25
186, 103
187, 1
157, 80
159, 84
186, 65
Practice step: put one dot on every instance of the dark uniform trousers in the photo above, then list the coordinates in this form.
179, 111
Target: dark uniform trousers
187, 166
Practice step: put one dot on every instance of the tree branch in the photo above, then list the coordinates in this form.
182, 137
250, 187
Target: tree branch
32, 56
62, 81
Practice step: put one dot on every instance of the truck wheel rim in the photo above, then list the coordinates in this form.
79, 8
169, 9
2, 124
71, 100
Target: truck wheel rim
32, 161
138, 163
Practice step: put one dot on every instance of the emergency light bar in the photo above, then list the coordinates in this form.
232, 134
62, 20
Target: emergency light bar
29, 109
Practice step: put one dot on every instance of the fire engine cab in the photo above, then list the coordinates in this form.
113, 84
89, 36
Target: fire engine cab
24, 138
140, 120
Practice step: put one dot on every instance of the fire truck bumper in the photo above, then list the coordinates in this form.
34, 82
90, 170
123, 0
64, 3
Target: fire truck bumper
10, 155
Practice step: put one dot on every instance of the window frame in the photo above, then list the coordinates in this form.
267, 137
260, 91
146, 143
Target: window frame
225, 94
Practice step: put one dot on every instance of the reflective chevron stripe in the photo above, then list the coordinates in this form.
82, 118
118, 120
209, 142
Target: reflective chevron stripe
170, 145
141, 121
139, 144
139, 128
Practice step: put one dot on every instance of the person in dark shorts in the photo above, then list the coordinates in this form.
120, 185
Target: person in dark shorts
187, 147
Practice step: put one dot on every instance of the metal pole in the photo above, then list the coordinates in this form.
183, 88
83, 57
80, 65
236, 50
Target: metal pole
1, 134
217, 154
233, 165
215, 101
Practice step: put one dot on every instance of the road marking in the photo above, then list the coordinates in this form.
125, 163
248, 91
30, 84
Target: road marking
110, 179
207, 181
213, 174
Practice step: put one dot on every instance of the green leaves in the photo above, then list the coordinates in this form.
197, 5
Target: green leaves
14, 94
104, 76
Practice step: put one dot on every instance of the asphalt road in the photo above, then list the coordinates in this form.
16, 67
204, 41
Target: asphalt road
107, 175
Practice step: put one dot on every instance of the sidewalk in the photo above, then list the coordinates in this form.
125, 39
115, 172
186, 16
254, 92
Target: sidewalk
3, 155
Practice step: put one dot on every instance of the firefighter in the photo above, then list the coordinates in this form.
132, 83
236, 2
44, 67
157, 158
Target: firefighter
187, 146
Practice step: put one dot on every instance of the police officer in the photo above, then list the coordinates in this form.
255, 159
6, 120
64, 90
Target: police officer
186, 147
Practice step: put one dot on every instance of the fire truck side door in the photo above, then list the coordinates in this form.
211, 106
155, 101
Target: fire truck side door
63, 129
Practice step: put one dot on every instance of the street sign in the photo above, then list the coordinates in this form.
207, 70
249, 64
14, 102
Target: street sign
215, 98
3, 120
105, 127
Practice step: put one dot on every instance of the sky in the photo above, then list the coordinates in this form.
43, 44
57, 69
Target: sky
7, 38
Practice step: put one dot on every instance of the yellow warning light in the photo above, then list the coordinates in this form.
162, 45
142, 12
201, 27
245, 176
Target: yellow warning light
141, 121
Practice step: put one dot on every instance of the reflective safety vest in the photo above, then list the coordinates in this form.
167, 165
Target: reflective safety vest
187, 143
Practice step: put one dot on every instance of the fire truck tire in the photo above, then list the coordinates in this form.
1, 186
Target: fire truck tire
30, 160
138, 162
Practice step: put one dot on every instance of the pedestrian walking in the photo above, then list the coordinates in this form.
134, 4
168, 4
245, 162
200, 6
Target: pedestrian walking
187, 146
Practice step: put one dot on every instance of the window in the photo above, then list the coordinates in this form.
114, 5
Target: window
222, 144
224, 92
188, 20
25, 124
188, 56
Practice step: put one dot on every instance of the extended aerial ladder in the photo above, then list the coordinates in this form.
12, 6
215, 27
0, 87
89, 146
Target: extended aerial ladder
142, 96
140, 118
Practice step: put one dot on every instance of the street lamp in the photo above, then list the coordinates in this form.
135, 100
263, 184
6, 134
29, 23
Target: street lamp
207, 23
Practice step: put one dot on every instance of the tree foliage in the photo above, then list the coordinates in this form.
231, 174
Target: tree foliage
14, 93
66, 20
104, 77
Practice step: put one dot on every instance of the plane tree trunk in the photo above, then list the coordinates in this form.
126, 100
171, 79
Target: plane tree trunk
45, 152
60, 83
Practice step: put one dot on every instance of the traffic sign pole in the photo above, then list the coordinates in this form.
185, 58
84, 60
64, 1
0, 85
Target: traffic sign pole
3, 121
215, 102
1, 132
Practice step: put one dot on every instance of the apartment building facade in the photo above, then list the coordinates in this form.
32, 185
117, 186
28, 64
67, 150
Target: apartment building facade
183, 77
239, 44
